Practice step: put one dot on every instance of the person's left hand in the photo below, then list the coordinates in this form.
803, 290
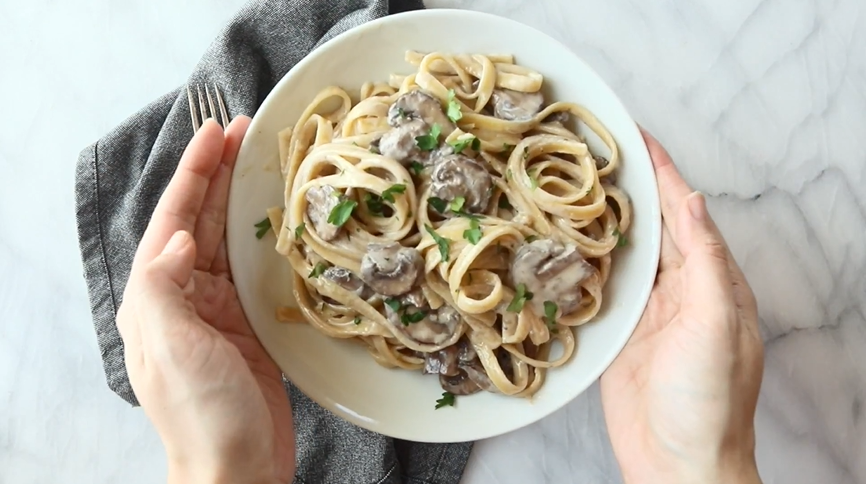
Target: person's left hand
215, 397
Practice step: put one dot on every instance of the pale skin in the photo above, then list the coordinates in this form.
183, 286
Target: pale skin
679, 401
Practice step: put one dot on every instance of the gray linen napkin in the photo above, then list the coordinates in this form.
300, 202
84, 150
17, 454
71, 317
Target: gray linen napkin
120, 178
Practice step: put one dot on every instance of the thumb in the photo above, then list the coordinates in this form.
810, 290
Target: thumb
708, 289
177, 259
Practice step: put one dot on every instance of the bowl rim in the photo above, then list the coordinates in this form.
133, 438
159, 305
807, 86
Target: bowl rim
654, 211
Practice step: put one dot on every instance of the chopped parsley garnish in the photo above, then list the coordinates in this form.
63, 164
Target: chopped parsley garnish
507, 147
508, 175
318, 270
473, 234
342, 212
374, 204
393, 303
621, 240
531, 239
388, 194
443, 243
401, 112
456, 205
375, 150
447, 400
263, 228
299, 230
416, 168
438, 204
504, 203
520, 298
454, 113
533, 179
461, 145
550, 309
525, 152
357, 320
429, 141
408, 318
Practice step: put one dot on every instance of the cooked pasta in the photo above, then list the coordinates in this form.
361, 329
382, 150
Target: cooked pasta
450, 220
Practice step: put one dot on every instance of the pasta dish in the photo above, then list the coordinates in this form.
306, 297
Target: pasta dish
452, 221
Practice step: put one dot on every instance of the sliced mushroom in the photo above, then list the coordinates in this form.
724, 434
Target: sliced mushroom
399, 143
348, 281
442, 362
320, 202
457, 175
465, 351
391, 269
515, 105
458, 385
552, 272
419, 105
435, 328
602, 162
476, 372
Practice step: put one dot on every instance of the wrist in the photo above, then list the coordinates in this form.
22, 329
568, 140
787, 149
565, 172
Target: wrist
218, 472
730, 468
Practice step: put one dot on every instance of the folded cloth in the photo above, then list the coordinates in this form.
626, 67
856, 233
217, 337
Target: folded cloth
120, 178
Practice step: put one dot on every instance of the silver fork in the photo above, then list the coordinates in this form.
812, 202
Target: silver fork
206, 109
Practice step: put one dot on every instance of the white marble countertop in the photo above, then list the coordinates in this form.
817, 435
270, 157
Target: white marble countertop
761, 102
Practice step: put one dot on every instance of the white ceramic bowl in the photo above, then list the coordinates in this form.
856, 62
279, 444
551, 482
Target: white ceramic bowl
340, 375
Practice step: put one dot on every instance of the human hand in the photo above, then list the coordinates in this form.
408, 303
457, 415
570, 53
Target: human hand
215, 397
680, 399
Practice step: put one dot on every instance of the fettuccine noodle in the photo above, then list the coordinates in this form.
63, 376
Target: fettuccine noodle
450, 221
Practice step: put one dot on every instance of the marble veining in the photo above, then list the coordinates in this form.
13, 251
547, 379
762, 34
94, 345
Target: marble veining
761, 102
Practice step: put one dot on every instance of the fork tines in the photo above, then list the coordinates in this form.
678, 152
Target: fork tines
205, 108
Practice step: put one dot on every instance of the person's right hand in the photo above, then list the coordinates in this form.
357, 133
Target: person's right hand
680, 399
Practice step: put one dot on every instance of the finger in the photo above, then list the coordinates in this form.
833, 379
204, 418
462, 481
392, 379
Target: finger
670, 257
174, 264
211, 224
672, 188
180, 204
708, 288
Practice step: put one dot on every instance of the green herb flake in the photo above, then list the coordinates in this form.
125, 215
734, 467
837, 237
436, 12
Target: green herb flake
533, 178
375, 150
263, 228
299, 231
447, 400
429, 141
525, 152
374, 204
504, 203
456, 205
462, 144
473, 234
438, 204
454, 113
550, 309
417, 168
388, 194
357, 320
318, 270
621, 240
506, 148
408, 318
508, 175
443, 243
401, 112
520, 299
342, 212
393, 303
531, 239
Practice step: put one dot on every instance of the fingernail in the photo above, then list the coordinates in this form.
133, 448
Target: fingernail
175, 243
697, 206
